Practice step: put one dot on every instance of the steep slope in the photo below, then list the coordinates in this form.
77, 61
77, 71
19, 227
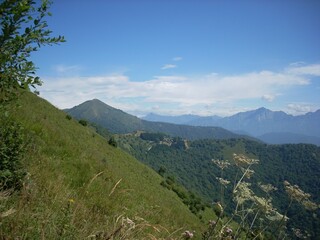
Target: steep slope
79, 187
118, 121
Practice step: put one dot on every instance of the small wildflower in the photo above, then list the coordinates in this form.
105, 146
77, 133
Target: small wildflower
310, 205
241, 160
300, 196
188, 235
228, 230
243, 192
247, 172
264, 204
71, 200
221, 164
273, 215
223, 182
267, 188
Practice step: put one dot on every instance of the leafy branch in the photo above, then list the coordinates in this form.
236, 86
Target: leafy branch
24, 30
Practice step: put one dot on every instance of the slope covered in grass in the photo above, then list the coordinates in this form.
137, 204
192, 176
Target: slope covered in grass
78, 186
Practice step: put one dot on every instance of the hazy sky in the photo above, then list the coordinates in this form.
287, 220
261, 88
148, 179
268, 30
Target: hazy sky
184, 56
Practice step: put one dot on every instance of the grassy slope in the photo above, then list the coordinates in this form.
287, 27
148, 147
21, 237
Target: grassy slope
79, 186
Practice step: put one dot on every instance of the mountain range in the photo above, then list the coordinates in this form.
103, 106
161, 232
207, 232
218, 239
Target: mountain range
117, 121
275, 127
190, 161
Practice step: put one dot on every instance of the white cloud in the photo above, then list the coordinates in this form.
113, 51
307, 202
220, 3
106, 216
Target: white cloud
176, 59
299, 108
187, 94
168, 66
268, 97
299, 69
297, 64
62, 69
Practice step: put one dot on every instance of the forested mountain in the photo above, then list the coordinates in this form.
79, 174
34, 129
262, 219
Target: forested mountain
117, 121
262, 122
191, 163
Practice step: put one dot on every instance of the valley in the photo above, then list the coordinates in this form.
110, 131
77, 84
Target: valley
189, 160
193, 167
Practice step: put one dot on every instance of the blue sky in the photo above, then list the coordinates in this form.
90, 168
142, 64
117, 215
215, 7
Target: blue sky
184, 57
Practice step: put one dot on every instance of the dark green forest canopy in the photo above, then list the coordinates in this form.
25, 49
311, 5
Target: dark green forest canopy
192, 165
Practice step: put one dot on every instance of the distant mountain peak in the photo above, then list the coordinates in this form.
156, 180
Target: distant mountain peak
263, 109
95, 101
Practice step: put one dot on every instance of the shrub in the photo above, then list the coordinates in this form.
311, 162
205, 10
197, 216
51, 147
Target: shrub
113, 142
162, 170
12, 149
83, 122
68, 117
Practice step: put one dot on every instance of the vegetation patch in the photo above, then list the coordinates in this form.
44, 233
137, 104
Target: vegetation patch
12, 152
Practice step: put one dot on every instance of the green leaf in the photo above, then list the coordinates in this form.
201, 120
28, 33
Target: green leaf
18, 42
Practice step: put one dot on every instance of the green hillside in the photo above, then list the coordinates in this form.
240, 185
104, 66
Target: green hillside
191, 163
117, 121
79, 187
98, 112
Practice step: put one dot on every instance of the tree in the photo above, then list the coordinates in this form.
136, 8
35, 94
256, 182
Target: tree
162, 170
112, 141
23, 31
12, 150
83, 122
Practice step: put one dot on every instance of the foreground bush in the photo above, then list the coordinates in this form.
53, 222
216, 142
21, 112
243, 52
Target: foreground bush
12, 149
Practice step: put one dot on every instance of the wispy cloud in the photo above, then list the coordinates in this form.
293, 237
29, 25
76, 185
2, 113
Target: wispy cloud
62, 69
176, 59
168, 66
298, 108
268, 97
301, 69
182, 92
